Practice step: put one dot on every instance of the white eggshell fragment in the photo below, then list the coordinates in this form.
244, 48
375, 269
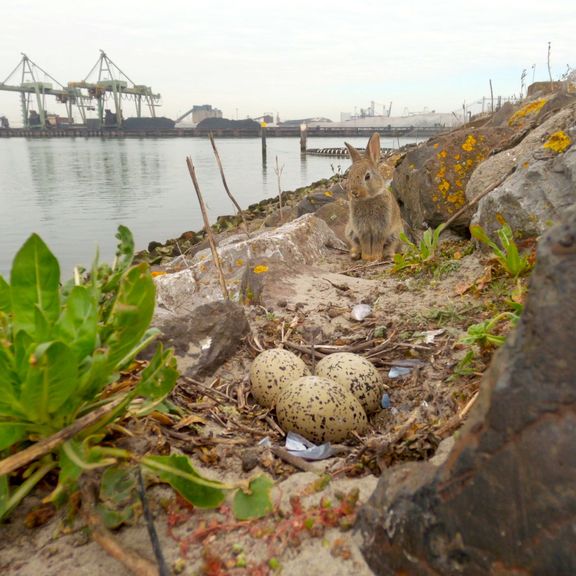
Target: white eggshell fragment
357, 373
271, 371
319, 409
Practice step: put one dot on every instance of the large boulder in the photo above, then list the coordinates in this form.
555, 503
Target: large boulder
532, 183
430, 181
437, 178
304, 241
504, 501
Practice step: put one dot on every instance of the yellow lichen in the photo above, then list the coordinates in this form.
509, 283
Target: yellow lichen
444, 186
469, 144
559, 142
328, 193
239, 262
528, 110
260, 269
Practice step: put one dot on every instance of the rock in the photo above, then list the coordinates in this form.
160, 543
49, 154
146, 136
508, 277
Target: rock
303, 241
204, 338
312, 202
430, 181
436, 179
335, 214
542, 183
504, 500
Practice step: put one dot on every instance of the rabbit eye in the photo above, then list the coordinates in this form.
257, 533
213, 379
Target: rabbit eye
367, 176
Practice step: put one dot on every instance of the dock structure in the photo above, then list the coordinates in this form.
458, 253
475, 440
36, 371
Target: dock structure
76, 131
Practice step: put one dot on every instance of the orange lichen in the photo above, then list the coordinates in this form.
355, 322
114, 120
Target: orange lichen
469, 144
558, 142
528, 110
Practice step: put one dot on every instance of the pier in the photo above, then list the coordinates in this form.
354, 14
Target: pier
423, 132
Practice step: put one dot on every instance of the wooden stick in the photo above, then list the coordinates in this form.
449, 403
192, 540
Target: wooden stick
132, 560
163, 569
240, 213
209, 232
48, 444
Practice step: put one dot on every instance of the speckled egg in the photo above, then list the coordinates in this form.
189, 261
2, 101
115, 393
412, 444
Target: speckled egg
319, 409
358, 374
271, 371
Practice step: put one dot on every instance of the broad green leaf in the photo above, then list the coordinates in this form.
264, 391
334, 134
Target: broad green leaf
4, 495
5, 298
78, 324
125, 248
7, 376
131, 314
94, 376
10, 433
179, 473
159, 377
23, 348
51, 380
34, 280
256, 503
118, 485
113, 519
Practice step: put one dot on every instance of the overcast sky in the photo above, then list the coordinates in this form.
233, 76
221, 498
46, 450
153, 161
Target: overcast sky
294, 57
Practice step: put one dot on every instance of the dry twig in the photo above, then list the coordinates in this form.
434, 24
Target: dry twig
208, 229
240, 213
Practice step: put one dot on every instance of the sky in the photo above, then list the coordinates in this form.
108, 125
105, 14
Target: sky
297, 59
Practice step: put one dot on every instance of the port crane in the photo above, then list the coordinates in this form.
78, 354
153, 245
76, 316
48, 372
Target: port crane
32, 89
112, 82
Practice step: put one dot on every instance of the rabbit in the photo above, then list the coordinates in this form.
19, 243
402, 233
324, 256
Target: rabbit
374, 223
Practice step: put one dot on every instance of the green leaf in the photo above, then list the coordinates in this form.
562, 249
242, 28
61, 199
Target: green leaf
179, 473
125, 248
130, 315
51, 380
10, 433
159, 377
256, 503
78, 324
7, 376
5, 298
4, 495
118, 485
34, 280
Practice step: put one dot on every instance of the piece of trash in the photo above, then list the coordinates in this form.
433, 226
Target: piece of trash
303, 448
361, 311
430, 335
385, 401
399, 371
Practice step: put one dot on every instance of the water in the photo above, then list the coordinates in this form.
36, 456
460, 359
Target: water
74, 192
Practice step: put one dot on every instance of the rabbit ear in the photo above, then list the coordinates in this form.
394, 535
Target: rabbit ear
354, 154
373, 148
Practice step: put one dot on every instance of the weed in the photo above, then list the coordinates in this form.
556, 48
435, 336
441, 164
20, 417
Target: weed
508, 255
484, 333
416, 255
61, 350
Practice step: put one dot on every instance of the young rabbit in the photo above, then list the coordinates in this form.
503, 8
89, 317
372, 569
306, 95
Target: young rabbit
375, 223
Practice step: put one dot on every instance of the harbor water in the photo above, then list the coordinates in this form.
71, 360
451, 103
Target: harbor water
74, 192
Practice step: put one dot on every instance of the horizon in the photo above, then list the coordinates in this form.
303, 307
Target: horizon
300, 60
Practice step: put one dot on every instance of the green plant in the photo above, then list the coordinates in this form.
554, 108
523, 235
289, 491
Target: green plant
60, 349
417, 254
483, 333
508, 255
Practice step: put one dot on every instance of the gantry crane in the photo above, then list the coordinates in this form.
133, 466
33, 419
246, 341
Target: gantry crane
31, 88
112, 81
